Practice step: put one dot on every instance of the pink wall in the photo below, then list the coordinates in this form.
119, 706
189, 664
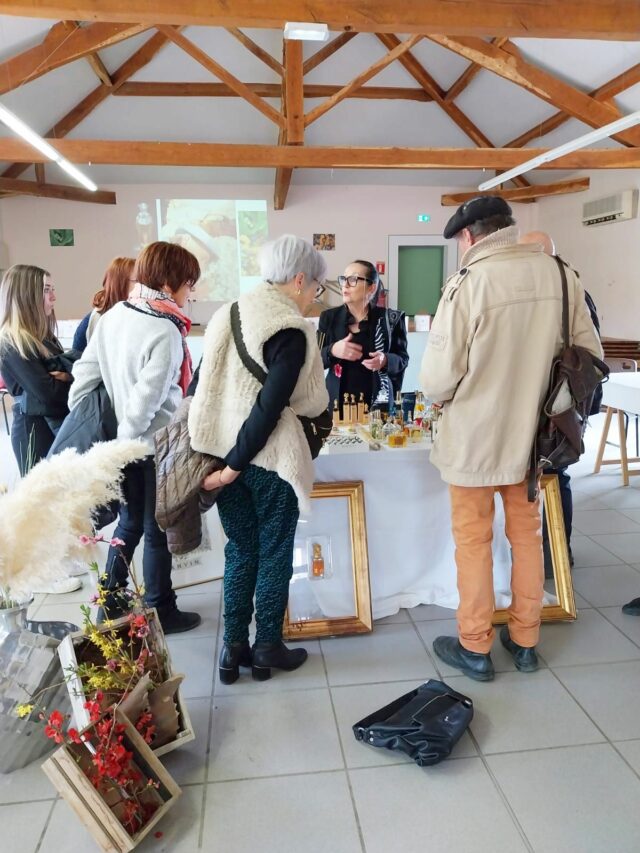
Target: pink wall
606, 256
361, 217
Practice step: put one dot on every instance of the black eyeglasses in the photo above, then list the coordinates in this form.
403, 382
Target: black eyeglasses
352, 280
320, 289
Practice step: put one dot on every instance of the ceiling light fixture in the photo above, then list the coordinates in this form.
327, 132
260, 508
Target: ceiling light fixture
299, 31
574, 145
18, 126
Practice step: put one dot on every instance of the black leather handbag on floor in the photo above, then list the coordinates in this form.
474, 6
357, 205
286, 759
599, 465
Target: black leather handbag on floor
425, 724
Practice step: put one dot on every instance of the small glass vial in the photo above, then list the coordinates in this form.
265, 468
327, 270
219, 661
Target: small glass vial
317, 561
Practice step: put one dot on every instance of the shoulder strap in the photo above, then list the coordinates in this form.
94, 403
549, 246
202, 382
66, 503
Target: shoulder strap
565, 303
236, 328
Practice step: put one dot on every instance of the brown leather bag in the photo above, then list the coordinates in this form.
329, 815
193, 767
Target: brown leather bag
576, 374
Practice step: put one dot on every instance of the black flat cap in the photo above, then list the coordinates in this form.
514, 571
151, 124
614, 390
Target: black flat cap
473, 210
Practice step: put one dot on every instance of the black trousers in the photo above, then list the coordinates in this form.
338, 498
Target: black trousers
138, 519
31, 439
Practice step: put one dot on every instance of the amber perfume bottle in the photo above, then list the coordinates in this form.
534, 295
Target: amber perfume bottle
317, 561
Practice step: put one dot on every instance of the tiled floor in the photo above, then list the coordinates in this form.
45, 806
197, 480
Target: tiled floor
551, 763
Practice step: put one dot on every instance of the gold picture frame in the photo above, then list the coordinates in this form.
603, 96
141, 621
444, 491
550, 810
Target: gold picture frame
565, 609
362, 621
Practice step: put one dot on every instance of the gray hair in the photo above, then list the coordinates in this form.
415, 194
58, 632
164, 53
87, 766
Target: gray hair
284, 258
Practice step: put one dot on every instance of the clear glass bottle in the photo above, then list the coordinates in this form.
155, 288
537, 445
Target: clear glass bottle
144, 225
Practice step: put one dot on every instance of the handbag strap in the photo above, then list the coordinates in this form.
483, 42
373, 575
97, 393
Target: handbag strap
565, 302
251, 364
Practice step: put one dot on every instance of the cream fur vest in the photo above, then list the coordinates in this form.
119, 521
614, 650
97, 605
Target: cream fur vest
227, 391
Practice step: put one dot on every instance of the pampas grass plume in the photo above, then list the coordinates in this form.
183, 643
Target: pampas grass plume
42, 519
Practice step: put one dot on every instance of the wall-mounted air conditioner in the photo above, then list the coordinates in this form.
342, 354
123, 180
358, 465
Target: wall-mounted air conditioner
612, 208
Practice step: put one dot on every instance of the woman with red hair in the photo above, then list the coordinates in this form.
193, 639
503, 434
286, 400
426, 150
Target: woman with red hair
116, 284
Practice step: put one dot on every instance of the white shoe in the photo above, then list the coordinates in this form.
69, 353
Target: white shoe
58, 587
75, 568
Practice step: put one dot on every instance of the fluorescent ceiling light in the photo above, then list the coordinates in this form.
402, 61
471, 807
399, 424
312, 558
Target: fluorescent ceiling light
18, 126
574, 145
300, 31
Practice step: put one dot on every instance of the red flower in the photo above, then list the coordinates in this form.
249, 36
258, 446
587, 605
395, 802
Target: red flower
73, 736
337, 370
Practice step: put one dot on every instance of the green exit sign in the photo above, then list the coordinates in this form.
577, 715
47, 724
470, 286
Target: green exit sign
424, 217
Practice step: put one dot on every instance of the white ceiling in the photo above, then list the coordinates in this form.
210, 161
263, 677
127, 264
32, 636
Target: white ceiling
498, 108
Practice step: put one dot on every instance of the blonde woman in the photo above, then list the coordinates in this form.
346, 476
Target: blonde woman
27, 340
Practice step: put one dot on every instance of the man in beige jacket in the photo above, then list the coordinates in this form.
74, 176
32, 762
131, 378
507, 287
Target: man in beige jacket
488, 359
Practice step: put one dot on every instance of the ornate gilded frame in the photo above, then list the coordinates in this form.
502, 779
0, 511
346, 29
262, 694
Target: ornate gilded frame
362, 621
565, 609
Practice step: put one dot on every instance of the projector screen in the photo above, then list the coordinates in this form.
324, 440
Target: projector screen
225, 236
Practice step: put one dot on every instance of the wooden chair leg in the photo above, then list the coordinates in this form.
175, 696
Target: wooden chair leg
603, 439
623, 448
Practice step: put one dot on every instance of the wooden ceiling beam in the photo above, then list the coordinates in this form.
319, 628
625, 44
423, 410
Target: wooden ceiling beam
256, 50
87, 105
396, 52
93, 59
467, 76
603, 93
538, 82
590, 19
62, 191
145, 153
529, 193
222, 74
327, 51
59, 47
422, 76
293, 111
264, 90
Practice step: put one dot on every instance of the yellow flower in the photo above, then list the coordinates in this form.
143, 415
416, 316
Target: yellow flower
24, 710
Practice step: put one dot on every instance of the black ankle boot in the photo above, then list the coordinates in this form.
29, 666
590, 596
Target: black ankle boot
232, 657
277, 656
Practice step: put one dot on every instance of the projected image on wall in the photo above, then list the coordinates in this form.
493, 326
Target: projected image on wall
225, 236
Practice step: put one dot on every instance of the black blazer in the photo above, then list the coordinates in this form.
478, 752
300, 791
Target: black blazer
390, 337
28, 380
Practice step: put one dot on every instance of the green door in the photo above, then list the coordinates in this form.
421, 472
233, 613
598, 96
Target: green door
420, 278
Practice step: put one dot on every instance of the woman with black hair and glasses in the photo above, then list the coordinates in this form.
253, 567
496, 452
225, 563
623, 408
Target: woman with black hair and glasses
363, 347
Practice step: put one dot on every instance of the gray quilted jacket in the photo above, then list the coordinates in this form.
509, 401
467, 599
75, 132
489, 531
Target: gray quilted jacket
180, 470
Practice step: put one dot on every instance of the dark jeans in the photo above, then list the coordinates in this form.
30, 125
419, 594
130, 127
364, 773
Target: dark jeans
31, 439
259, 514
137, 517
564, 483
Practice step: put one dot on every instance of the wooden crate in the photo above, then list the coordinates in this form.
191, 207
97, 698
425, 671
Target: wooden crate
67, 653
74, 787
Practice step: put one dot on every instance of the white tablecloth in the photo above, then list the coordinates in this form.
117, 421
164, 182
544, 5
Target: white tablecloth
622, 391
411, 550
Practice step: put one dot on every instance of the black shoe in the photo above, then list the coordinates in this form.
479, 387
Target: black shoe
176, 621
632, 608
277, 656
476, 666
526, 659
232, 657
116, 605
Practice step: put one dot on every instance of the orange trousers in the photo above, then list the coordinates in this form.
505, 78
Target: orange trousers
472, 511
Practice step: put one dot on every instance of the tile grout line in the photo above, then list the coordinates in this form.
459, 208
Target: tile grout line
617, 627
207, 754
342, 752
46, 826
623, 757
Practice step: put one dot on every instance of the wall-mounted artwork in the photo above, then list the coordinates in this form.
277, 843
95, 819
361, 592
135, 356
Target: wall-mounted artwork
324, 242
61, 236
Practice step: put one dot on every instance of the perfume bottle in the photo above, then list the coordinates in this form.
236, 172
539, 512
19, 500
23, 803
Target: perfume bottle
317, 561
419, 408
144, 225
336, 414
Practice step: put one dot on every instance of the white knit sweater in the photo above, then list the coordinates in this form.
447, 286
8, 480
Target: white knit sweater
138, 357
227, 391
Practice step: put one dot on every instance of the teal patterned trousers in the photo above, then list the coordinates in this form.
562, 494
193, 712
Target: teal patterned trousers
259, 514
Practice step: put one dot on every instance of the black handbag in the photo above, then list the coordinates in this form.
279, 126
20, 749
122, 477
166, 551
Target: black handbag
425, 724
317, 428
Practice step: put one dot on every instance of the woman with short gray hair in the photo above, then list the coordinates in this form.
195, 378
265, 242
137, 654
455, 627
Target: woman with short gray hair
253, 425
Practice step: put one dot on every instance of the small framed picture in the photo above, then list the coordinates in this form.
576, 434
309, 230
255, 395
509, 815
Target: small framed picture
61, 237
324, 242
